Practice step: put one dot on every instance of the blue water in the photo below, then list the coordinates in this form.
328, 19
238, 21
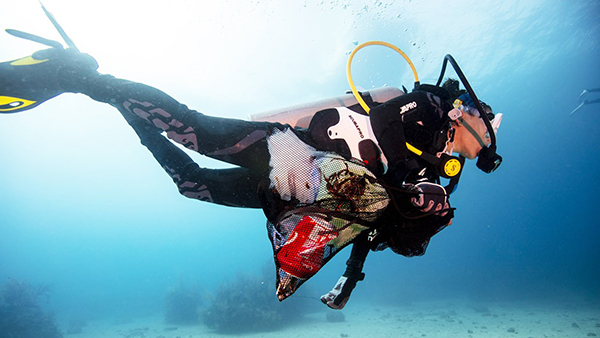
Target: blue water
83, 206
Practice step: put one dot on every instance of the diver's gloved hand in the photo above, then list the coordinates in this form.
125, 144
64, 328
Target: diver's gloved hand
31, 80
339, 295
430, 197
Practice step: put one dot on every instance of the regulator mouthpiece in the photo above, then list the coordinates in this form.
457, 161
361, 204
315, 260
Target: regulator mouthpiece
487, 160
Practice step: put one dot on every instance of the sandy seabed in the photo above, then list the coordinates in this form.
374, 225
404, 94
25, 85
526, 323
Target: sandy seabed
418, 319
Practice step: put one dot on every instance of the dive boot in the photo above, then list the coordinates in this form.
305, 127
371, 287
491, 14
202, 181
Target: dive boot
27, 82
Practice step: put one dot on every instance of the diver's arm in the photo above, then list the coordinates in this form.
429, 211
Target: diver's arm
238, 142
339, 295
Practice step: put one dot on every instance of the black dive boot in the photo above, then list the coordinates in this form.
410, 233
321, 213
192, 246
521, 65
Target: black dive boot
29, 81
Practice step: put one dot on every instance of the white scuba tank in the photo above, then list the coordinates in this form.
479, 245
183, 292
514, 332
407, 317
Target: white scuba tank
300, 115
353, 128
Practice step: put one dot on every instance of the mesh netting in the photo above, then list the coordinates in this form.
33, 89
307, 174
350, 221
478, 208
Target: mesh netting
333, 200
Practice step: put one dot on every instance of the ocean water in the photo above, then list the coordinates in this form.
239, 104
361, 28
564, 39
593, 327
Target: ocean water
85, 209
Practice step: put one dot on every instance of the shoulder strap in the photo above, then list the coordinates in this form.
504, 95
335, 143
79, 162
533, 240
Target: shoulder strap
440, 92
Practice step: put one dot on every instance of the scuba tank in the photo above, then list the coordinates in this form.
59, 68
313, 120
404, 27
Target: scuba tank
339, 120
299, 115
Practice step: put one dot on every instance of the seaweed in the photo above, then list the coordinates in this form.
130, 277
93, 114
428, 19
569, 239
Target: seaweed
248, 304
21, 315
182, 304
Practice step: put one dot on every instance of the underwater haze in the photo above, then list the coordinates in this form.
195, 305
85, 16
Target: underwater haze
87, 212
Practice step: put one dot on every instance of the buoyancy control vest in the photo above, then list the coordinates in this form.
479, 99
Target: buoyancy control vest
378, 140
340, 125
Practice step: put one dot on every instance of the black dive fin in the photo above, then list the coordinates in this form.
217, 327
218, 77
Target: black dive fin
44, 41
60, 30
16, 91
29, 81
34, 38
578, 107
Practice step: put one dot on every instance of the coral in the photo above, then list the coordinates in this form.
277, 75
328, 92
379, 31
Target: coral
182, 303
249, 304
21, 316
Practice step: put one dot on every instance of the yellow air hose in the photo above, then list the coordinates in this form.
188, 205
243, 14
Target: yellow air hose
349, 65
353, 87
451, 167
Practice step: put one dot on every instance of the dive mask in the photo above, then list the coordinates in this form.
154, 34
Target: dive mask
495, 122
487, 159
465, 104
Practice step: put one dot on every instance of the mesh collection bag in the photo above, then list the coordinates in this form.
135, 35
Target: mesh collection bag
330, 200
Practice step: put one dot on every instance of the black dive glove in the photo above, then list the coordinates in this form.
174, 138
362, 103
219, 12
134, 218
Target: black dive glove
431, 197
339, 295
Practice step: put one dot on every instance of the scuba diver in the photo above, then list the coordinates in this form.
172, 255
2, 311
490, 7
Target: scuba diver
583, 101
372, 181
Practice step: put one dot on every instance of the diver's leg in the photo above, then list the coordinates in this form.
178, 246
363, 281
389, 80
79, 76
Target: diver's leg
235, 141
30, 81
592, 101
231, 187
